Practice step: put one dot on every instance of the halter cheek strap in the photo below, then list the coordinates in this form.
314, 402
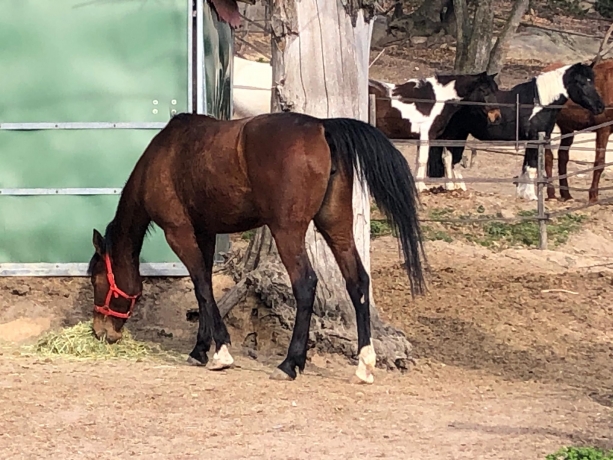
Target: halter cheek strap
115, 292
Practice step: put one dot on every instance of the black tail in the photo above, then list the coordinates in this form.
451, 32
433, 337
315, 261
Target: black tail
435, 166
389, 180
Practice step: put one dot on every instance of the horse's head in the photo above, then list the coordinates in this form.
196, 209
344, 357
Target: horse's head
579, 83
483, 88
115, 291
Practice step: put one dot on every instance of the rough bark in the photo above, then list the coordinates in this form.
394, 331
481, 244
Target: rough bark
320, 51
474, 49
500, 48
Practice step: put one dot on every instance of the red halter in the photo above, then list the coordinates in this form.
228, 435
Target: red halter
115, 292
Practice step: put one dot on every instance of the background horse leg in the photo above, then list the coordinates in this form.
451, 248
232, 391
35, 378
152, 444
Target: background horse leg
335, 223
182, 240
457, 154
421, 162
292, 250
447, 161
563, 155
602, 138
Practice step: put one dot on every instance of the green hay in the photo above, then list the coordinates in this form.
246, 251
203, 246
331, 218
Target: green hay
79, 341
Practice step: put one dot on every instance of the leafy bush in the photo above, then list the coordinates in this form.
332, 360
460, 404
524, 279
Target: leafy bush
604, 8
580, 453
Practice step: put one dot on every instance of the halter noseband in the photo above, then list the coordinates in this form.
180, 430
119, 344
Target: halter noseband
115, 292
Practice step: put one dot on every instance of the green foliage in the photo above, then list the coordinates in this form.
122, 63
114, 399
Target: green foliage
248, 235
580, 453
570, 7
446, 225
604, 8
379, 227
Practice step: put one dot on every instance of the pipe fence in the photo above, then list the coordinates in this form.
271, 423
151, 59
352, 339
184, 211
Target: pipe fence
541, 182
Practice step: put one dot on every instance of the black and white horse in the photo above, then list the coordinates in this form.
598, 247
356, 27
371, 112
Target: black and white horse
416, 109
575, 82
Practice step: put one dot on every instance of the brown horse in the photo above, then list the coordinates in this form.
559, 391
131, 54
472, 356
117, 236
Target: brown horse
200, 176
575, 118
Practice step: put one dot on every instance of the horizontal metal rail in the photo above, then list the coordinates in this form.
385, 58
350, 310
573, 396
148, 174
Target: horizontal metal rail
59, 191
82, 125
80, 269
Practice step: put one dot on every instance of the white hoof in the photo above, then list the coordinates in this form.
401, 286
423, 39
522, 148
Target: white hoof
366, 365
222, 359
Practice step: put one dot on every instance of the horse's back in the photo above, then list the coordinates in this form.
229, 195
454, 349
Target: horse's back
288, 163
237, 174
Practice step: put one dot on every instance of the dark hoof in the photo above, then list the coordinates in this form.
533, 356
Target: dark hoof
278, 374
194, 362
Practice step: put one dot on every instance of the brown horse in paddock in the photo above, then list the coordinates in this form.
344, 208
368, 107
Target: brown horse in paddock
200, 176
573, 117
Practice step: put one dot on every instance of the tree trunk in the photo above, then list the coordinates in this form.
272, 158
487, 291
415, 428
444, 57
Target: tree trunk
474, 49
320, 53
500, 48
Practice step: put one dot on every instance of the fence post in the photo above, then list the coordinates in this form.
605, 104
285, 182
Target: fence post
542, 218
517, 124
372, 109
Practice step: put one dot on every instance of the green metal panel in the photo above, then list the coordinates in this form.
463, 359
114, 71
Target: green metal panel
85, 61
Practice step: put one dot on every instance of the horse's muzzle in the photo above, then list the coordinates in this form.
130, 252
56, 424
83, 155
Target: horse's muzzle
494, 117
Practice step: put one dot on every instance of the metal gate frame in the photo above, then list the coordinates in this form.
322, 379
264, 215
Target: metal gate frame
146, 269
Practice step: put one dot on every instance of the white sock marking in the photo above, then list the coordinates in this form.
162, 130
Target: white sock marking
366, 364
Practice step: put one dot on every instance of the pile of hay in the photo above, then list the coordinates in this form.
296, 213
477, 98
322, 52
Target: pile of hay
79, 341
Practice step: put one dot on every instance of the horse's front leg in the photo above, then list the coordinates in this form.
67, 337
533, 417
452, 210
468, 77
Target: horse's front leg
422, 161
199, 263
525, 186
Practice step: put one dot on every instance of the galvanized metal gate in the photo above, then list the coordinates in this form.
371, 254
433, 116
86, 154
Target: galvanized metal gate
84, 87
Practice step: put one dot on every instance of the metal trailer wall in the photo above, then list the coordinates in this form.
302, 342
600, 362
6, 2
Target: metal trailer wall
84, 87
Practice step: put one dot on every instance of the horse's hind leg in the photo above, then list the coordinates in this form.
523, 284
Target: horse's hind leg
335, 222
197, 256
292, 250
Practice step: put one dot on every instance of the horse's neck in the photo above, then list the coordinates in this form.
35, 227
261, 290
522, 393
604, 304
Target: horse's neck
128, 231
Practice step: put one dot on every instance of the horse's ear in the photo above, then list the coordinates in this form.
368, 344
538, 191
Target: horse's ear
592, 64
494, 75
99, 244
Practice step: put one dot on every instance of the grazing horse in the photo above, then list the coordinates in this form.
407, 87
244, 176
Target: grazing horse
574, 118
200, 176
574, 82
404, 111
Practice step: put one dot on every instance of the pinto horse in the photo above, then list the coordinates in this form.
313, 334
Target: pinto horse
416, 109
574, 82
574, 118
200, 176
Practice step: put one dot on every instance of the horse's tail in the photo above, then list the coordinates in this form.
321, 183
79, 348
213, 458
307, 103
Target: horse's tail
389, 180
435, 166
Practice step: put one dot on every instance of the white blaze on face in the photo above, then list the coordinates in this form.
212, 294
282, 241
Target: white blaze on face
550, 87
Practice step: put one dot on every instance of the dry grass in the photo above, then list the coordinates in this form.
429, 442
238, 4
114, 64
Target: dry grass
79, 342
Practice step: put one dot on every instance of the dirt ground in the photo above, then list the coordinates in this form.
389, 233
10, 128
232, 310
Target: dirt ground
504, 369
